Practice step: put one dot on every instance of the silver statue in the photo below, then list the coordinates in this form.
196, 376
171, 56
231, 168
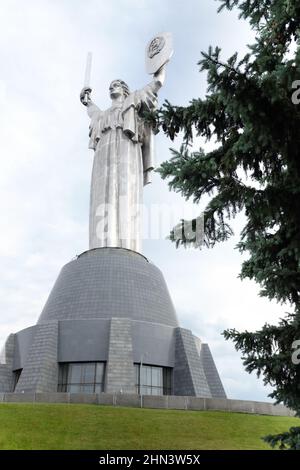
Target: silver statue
123, 161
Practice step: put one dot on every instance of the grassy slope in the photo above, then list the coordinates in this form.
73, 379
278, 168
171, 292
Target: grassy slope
48, 426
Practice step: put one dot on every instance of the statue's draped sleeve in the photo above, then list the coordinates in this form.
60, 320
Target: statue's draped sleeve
95, 114
135, 127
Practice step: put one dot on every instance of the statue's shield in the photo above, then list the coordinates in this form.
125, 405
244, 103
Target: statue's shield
158, 52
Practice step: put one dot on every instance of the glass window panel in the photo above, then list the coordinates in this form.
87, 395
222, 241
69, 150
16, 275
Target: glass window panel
137, 373
98, 388
160, 381
63, 374
88, 375
157, 376
74, 388
169, 378
81, 377
154, 380
165, 378
75, 373
87, 388
148, 376
99, 372
143, 374
60, 374
167, 381
62, 388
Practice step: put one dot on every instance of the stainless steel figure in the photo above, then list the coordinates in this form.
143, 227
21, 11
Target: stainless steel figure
123, 161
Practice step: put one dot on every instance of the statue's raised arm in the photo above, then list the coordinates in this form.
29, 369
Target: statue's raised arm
159, 78
136, 127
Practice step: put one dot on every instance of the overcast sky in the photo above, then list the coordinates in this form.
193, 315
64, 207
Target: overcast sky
46, 165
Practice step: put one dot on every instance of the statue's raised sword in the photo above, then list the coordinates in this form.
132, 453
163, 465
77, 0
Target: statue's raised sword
87, 75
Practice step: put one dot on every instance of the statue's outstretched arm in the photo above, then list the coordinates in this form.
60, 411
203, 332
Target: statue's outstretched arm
148, 94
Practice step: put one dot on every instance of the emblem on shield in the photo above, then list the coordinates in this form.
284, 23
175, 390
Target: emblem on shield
156, 46
158, 52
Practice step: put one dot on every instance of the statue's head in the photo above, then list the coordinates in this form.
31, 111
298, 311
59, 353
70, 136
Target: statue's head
118, 88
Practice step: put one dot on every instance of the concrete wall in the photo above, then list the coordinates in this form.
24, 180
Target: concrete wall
83, 340
112, 305
6, 379
88, 340
188, 374
23, 341
108, 341
6, 365
120, 373
40, 372
211, 373
155, 341
147, 401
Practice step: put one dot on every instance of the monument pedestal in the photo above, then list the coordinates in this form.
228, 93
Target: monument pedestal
109, 325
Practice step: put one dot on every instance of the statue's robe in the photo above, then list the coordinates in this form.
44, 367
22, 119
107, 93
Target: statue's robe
123, 161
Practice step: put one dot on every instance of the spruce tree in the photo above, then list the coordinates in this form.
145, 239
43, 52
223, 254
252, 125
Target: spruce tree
251, 109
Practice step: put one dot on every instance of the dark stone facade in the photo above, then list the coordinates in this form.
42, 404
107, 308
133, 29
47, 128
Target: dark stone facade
110, 305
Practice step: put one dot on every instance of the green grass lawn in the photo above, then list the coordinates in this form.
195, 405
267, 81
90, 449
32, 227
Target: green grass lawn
50, 426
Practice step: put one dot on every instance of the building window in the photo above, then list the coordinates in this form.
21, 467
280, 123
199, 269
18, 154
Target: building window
17, 375
153, 380
81, 377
